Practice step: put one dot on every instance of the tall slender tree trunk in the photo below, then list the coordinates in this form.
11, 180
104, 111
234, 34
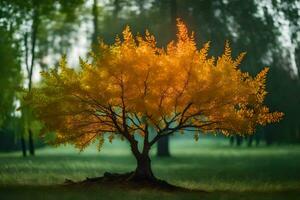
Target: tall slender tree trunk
117, 8
23, 146
34, 31
163, 149
297, 58
95, 25
173, 13
31, 143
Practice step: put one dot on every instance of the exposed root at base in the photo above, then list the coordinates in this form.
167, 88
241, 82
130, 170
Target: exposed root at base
129, 181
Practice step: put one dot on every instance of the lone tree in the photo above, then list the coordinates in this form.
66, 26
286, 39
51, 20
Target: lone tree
133, 85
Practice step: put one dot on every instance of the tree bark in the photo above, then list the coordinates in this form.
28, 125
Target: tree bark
143, 171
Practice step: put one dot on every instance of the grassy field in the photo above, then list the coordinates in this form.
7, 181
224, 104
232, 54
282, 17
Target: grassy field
211, 165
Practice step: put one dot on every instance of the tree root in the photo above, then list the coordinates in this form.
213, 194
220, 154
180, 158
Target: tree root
128, 181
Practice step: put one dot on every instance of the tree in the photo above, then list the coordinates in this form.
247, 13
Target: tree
132, 86
37, 11
10, 76
30, 20
10, 79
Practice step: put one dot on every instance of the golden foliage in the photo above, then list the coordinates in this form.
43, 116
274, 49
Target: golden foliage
133, 84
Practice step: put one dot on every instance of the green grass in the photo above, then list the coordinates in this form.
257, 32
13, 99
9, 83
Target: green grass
211, 165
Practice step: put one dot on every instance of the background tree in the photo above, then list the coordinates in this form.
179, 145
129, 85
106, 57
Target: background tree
10, 80
10, 76
38, 27
95, 13
134, 85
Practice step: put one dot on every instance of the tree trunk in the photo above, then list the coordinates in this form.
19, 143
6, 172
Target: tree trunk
163, 144
117, 8
143, 171
250, 141
34, 32
173, 14
31, 144
95, 25
163, 147
239, 140
23, 146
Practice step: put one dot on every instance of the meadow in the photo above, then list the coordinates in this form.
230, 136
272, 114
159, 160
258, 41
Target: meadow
211, 165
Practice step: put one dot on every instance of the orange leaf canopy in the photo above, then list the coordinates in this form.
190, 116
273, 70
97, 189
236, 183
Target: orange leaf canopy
133, 84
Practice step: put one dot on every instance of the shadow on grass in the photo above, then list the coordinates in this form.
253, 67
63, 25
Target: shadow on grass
112, 193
